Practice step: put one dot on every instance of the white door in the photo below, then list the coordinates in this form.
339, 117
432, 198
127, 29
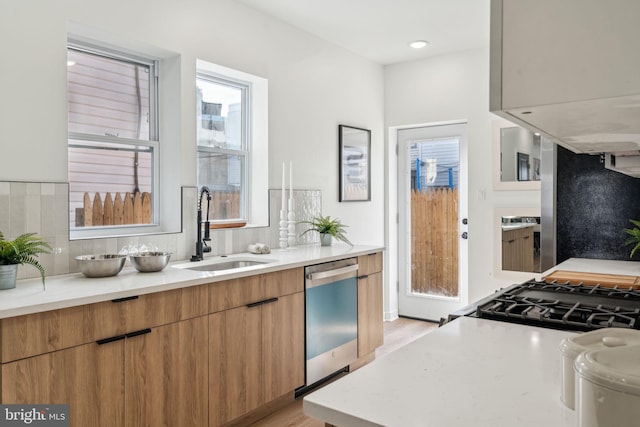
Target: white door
432, 206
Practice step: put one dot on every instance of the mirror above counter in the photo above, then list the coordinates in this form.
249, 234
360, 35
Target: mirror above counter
516, 157
521, 243
517, 243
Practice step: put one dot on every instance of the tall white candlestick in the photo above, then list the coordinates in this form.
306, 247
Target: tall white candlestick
283, 190
291, 180
291, 219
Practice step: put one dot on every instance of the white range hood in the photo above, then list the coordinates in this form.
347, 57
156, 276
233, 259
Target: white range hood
570, 70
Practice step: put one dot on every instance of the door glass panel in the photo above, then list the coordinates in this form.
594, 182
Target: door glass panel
435, 167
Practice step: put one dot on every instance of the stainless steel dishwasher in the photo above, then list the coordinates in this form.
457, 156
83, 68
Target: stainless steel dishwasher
331, 318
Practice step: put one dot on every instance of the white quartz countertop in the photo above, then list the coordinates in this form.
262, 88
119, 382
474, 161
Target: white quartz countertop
603, 266
470, 372
517, 226
75, 289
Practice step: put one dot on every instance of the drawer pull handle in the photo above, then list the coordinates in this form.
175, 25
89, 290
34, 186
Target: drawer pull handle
266, 301
255, 304
364, 276
373, 254
124, 299
112, 339
140, 332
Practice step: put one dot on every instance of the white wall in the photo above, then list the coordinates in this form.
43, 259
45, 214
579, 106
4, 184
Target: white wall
445, 88
313, 87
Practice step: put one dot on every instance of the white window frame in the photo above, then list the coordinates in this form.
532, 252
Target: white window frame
153, 142
245, 145
256, 169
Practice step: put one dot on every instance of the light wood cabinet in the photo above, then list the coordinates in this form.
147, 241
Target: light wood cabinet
235, 349
517, 249
283, 345
89, 377
98, 356
166, 375
196, 356
39, 333
370, 304
256, 350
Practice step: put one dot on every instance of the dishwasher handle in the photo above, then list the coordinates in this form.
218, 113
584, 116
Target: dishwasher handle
329, 276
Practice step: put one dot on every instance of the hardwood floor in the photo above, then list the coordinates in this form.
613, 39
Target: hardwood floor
398, 333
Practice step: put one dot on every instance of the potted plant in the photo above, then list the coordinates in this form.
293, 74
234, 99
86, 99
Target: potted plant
634, 236
327, 227
24, 249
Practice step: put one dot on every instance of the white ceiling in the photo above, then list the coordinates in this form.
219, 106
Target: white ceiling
381, 29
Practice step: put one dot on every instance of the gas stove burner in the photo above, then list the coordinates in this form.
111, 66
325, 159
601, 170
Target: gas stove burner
561, 306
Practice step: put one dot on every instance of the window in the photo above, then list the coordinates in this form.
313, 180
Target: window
222, 112
113, 139
232, 117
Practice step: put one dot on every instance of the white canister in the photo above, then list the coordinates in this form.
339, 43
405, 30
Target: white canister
571, 347
608, 387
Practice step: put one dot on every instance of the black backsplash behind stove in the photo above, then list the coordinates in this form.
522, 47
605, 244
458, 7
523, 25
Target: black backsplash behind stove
594, 205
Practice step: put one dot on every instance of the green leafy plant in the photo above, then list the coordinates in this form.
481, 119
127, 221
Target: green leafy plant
634, 236
327, 225
24, 249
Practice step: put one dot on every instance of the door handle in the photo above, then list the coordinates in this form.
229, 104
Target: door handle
465, 235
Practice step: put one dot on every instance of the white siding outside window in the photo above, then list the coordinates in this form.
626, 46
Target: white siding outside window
113, 141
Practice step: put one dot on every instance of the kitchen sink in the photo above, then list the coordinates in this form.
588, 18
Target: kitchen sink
222, 264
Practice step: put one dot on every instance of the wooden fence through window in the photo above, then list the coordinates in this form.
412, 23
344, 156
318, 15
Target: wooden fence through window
434, 245
224, 205
119, 210
136, 208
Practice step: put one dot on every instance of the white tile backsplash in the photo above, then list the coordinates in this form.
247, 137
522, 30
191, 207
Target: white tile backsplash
43, 208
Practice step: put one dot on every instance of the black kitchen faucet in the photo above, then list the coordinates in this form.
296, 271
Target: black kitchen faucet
201, 243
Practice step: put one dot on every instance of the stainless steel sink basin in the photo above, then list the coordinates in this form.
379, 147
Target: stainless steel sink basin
221, 264
228, 265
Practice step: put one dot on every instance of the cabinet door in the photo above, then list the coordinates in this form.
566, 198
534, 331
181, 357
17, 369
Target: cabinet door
370, 263
370, 328
235, 363
166, 375
283, 331
508, 250
89, 378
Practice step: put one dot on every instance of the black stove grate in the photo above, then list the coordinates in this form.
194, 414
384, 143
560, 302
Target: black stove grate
564, 306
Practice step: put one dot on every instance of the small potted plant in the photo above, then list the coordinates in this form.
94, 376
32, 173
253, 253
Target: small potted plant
327, 227
24, 249
634, 236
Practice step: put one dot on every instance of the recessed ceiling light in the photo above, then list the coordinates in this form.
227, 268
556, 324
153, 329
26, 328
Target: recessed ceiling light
419, 44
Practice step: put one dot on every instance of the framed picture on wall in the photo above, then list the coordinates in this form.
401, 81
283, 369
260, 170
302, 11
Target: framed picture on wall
354, 164
523, 167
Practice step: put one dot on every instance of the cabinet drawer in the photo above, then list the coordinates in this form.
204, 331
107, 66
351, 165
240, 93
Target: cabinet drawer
246, 290
162, 308
234, 293
39, 333
284, 282
370, 263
